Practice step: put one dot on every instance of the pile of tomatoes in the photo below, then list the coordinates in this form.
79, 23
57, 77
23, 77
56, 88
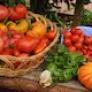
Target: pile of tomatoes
76, 40
16, 38
13, 13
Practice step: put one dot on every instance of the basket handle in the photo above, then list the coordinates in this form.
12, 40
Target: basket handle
36, 16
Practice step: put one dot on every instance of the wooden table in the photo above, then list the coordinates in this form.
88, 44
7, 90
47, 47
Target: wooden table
28, 85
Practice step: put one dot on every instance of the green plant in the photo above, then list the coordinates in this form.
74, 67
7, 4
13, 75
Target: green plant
63, 64
87, 18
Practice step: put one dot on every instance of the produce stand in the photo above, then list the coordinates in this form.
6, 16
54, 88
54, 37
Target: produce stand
30, 81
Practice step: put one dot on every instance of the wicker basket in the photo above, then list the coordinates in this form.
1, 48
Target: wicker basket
30, 63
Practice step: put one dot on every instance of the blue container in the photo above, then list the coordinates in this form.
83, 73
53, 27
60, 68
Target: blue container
85, 29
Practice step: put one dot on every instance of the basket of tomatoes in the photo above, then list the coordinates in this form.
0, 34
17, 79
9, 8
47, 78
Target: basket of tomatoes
25, 38
79, 39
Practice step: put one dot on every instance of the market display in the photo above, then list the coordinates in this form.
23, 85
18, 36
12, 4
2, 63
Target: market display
25, 38
76, 40
71, 58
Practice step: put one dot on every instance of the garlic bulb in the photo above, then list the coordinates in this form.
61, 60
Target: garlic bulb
45, 78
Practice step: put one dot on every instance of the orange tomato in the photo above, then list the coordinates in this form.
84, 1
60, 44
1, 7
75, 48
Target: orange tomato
3, 27
41, 45
38, 30
51, 34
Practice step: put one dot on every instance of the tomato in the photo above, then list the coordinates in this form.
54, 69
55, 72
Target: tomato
18, 35
72, 48
17, 12
15, 38
90, 47
88, 40
74, 37
78, 31
81, 39
4, 12
2, 33
1, 44
73, 30
3, 27
67, 41
13, 14
51, 34
27, 45
42, 45
21, 10
78, 45
16, 52
7, 51
67, 34
84, 51
23, 55
85, 47
38, 29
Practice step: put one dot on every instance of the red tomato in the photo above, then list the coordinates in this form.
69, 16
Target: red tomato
27, 45
15, 38
13, 41
6, 41
23, 55
85, 47
78, 45
16, 53
17, 12
67, 34
78, 31
17, 35
51, 34
73, 30
8, 51
90, 47
42, 45
21, 10
1, 44
72, 48
67, 42
84, 51
81, 39
4, 12
13, 14
74, 38
88, 40
2, 33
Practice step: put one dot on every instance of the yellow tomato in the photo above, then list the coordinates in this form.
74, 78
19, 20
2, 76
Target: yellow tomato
38, 29
3, 27
21, 26
12, 25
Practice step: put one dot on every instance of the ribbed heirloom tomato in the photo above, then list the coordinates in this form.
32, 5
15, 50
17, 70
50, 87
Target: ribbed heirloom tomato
27, 44
3, 12
17, 12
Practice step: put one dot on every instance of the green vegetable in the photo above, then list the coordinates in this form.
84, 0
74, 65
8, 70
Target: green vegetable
87, 18
63, 64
